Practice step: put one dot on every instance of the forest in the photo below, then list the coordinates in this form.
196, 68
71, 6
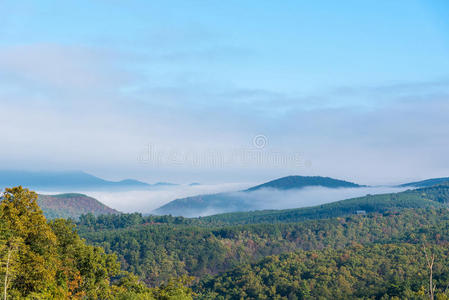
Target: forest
215, 249
323, 252
378, 271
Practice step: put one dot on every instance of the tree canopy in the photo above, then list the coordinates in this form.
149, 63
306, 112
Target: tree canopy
48, 260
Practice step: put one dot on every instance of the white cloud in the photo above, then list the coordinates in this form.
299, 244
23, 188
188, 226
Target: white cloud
65, 107
59, 67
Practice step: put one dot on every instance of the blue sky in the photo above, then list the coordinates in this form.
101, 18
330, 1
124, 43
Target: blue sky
359, 89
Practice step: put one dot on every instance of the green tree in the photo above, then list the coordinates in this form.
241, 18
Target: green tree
25, 222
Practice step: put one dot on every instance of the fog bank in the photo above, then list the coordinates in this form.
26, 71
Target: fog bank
205, 205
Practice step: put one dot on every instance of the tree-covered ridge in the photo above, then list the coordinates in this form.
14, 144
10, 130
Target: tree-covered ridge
71, 205
48, 260
298, 182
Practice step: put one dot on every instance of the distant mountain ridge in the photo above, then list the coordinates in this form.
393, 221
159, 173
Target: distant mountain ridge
426, 183
72, 205
63, 180
236, 201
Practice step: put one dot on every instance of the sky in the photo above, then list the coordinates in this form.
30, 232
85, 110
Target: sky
226, 91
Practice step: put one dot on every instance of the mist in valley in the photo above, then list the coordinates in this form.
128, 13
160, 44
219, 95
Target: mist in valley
145, 201
265, 199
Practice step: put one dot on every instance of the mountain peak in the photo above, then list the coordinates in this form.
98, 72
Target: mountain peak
298, 182
72, 205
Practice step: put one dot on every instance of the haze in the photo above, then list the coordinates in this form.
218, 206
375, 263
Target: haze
348, 89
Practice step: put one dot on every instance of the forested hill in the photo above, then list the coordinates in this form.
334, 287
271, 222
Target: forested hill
246, 200
298, 182
72, 206
207, 205
426, 183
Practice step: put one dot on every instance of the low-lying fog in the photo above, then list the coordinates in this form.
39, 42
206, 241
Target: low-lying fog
309, 196
278, 199
148, 200
145, 201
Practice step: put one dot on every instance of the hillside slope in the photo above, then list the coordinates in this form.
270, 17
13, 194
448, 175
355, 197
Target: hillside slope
426, 183
376, 271
72, 206
203, 205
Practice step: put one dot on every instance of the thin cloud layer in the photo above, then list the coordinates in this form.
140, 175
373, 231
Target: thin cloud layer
91, 96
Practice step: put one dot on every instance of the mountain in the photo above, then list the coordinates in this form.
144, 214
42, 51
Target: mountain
298, 182
253, 198
64, 181
426, 183
206, 205
72, 205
